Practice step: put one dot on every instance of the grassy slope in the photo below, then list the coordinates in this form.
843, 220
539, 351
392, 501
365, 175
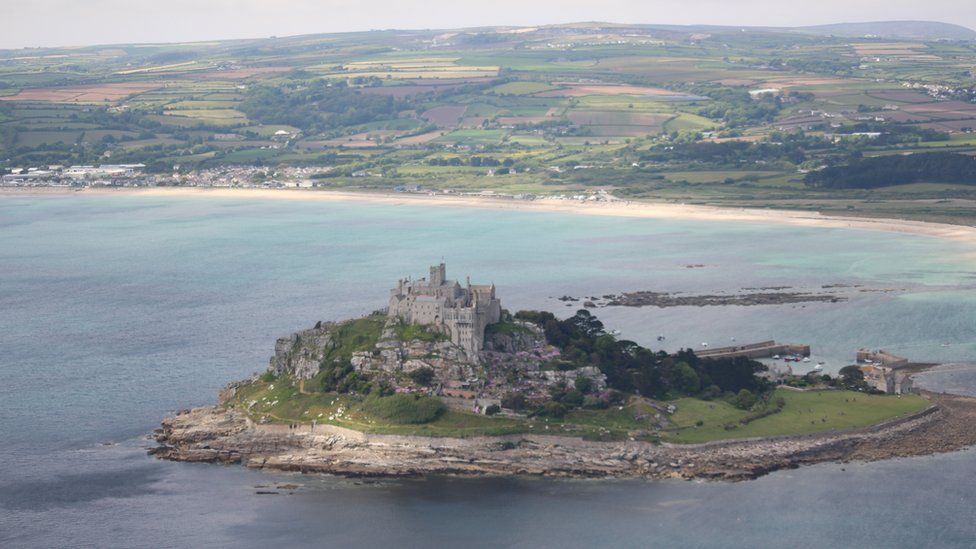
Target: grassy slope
806, 412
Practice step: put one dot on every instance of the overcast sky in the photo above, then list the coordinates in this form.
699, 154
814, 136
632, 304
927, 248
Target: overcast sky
87, 22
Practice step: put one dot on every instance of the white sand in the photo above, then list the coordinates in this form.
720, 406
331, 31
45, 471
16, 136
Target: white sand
638, 209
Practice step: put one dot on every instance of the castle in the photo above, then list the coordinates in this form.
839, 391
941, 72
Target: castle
463, 313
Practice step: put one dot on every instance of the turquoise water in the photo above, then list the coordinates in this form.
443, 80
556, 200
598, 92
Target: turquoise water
117, 310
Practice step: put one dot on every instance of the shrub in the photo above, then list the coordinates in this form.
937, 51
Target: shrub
710, 392
409, 409
572, 399
595, 403
553, 409
513, 401
584, 384
492, 410
744, 400
422, 376
268, 376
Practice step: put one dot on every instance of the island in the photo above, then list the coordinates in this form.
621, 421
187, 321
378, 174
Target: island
444, 380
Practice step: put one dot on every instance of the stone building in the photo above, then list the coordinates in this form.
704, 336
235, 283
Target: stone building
461, 312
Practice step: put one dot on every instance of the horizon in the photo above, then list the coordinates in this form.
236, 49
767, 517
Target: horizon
112, 22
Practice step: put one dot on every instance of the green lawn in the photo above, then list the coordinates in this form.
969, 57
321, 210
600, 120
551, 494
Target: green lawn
805, 412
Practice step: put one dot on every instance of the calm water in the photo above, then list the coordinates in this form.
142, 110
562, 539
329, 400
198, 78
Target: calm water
115, 311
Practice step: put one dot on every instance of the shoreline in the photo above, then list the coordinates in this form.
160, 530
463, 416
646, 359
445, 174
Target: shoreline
218, 435
632, 209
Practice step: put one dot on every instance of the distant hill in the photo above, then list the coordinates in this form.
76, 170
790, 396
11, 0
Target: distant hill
900, 30
907, 30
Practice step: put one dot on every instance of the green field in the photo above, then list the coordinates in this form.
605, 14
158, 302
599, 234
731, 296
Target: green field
805, 412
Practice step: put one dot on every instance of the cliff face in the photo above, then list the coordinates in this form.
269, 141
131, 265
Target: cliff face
227, 436
512, 359
301, 354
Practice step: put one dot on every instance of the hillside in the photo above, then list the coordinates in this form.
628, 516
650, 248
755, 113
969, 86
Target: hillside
904, 30
691, 114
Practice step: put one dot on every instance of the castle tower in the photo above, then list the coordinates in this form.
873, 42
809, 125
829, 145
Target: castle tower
438, 274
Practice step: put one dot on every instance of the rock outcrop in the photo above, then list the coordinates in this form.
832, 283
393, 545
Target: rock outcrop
301, 354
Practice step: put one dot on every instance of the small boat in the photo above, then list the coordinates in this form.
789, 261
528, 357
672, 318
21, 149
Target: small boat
806, 359
661, 338
704, 344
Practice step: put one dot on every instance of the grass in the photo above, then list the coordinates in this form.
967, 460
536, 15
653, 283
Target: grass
417, 332
280, 401
404, 408
805, 412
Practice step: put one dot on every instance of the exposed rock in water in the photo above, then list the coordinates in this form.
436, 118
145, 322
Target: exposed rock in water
657, 299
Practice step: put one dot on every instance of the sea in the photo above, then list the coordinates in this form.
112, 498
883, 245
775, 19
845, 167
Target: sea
118, 310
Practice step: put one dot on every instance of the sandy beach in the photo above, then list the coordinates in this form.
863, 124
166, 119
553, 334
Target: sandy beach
637, 209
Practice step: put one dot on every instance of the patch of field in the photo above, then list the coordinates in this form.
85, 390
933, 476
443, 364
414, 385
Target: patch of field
143, 143
473, 121
445, 116
522, 88
624, 118
516, 120
219, 114
201, 104
902, 96
97, 136
902, 116
403, 91
687, 122
82, 94
716, 176
567, 89
160, 68
473, 137
237, 74
804, 412
943, 109
33, 139
194, 122
420, 139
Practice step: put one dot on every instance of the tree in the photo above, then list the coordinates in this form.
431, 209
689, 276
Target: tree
492, 410
685, 379
744, 400
852, 376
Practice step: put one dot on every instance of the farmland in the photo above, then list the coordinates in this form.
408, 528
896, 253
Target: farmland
678, 113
